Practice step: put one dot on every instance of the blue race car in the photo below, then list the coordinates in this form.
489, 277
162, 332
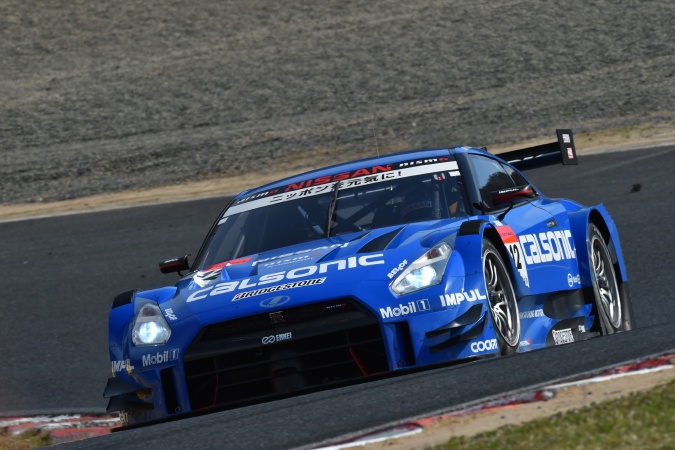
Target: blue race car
363, 269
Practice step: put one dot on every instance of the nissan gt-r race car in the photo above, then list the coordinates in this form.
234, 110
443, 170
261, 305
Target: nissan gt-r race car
367, 268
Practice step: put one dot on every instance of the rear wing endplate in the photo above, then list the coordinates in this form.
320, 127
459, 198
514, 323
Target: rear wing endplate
542, 155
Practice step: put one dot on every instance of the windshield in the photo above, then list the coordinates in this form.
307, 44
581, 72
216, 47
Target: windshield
283, 217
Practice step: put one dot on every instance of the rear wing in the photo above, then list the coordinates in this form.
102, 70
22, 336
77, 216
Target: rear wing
542, 155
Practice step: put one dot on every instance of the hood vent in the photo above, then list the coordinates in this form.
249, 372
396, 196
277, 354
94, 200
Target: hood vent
380, 243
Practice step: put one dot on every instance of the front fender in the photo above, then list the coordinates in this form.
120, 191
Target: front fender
600, 217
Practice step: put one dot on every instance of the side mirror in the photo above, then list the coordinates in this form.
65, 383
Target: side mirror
510, 195
175, 265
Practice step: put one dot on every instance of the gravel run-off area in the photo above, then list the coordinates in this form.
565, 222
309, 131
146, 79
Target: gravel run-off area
111, 96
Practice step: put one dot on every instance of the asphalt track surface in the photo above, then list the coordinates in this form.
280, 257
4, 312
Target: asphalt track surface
60, 274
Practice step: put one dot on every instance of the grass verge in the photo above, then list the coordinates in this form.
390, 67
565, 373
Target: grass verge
25, 440
639, 421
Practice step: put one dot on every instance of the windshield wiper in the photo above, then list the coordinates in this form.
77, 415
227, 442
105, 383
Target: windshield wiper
331, 208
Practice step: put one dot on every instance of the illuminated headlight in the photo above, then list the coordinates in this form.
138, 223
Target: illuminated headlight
426, 271
150, 327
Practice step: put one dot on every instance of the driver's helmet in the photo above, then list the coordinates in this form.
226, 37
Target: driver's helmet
417, 205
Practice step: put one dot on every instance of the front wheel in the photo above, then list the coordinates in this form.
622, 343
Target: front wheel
502, 299
606, 290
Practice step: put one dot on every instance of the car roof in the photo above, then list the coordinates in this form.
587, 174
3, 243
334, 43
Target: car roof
360, 164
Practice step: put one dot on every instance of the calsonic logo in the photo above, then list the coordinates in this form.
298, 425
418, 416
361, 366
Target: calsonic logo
121, 366
397, 269
457, 298
160, 357
302, 272
271, 339
404, 310
484, 346
563, 336
547, 247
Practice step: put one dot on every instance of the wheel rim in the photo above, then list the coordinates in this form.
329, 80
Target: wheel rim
502, 300
606, 288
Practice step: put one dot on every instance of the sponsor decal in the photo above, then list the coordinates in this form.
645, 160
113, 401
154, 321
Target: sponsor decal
404, 310
352, 262
547, 247
277, 317
283, 262
484, 346
397, 269
122, 366
318, 251
570, 153
525, 343
532, 314
212, 273
168, 312
459, 297
566, 138
273, 302
573, 279
345, 180
563, 336
271, 339
277, 288
160, 357
515, 250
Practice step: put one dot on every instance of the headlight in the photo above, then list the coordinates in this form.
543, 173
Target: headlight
426, 271
150, 326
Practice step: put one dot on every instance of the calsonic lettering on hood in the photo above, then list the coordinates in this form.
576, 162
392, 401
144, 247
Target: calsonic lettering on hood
547, 247
352, 262
457, 298
160, 357
404, 310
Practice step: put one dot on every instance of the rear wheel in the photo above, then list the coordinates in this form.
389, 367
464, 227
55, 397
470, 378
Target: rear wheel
605, 286
502, 299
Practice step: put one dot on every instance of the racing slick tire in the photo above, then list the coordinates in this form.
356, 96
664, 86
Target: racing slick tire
502, 300
609, 304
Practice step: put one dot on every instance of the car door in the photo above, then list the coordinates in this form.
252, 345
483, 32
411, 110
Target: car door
543, 248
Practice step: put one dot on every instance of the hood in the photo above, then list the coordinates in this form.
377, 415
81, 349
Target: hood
325, 268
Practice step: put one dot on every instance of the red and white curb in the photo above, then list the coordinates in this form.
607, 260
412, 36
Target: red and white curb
62, 428
543, 394
68, 428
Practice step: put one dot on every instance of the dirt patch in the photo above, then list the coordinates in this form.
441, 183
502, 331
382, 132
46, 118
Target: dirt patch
587, 143
566, 399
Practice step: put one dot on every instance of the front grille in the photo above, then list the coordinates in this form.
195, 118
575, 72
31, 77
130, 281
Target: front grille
305, 348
